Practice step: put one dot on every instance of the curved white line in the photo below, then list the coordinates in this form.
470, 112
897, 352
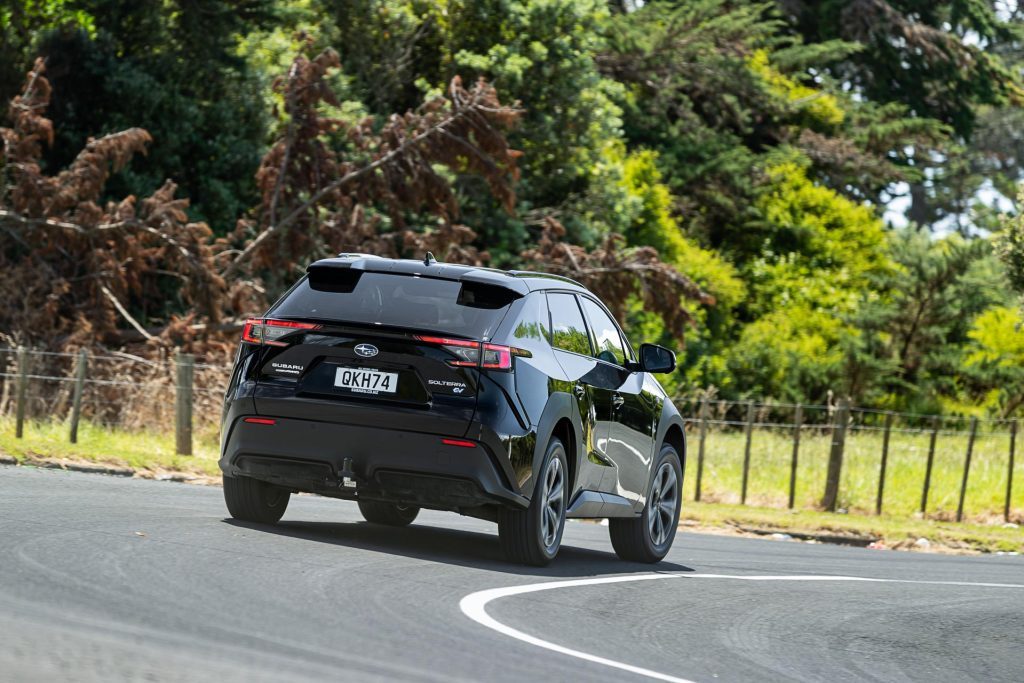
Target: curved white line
474, 606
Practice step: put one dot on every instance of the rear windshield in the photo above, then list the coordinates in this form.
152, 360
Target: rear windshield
342, 295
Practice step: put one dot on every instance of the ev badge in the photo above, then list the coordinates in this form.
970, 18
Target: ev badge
366, 350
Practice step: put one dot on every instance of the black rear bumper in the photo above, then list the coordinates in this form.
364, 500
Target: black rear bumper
387, 464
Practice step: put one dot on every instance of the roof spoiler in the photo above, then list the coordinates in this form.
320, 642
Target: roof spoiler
442, 271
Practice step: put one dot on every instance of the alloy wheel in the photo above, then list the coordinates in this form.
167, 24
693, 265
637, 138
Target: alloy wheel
554, 503
662, 504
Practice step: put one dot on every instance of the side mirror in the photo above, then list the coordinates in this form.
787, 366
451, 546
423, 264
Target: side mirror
654, 358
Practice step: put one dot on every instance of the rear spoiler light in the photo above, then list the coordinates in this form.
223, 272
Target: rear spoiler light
476, 354
269, 332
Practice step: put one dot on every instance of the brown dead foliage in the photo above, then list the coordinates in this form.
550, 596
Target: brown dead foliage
138, 275
616, 273
74, 271
330, 185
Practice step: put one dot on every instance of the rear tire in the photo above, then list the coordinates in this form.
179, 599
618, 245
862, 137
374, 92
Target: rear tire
534, 535
252, 500
648, 538
390, 514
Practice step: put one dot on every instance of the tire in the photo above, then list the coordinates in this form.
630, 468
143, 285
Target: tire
253, 500
647, 538
390, 514
534, 535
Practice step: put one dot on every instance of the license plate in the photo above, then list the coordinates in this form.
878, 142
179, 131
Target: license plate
366, 381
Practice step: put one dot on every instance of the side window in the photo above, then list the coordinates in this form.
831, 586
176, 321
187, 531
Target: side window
532, 330
568, 331
606, 332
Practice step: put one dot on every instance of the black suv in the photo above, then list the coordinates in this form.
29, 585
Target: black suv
505, 395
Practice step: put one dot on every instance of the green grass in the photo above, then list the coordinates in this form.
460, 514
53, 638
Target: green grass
100, 444
771, 452
894, 530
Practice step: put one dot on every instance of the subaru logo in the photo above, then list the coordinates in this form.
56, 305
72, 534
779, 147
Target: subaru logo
366, 350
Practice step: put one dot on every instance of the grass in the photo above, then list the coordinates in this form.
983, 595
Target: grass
895, 531
768, 487
96, 443
771, 452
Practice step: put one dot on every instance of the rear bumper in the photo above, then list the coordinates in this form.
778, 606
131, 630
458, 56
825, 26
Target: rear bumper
388, 464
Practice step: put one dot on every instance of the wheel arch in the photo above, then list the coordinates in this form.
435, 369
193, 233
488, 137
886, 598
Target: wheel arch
675, 437
671, 431
560, 419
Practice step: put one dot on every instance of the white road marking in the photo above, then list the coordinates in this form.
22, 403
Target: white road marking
474, 606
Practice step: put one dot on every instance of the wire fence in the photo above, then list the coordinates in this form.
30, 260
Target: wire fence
843, 457
833, 456
117, 391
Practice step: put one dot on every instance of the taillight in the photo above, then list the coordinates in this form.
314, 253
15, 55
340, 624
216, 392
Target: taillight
268, 331
467, 353
474, 354
497, 357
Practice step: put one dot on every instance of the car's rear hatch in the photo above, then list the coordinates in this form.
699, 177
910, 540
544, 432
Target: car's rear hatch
384, 349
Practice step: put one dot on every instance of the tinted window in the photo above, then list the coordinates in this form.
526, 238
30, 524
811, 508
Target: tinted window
343, 295
568, 331
609, 341
532, 330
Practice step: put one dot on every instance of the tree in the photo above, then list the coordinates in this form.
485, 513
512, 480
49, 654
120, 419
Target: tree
1010, 246
77, 271
923, 322
171, 68
329, 185
942, 60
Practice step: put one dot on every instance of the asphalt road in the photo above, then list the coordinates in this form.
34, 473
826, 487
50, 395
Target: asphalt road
107, 579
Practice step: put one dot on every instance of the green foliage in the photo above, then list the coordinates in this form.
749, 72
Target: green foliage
789, 354
22, 23
1011, 247
821, 108
754, 145
995, 359
815, 245
927, 55
948, 62
192, 92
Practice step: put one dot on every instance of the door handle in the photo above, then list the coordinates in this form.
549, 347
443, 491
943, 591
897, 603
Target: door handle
580, 391
617, 400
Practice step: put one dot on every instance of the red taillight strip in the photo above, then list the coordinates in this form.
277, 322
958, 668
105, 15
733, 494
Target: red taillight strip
260, 421
461, 443
253, 331
290, 323
444, 341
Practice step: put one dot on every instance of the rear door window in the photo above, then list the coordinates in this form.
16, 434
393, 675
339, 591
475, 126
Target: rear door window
342, 295
568, 331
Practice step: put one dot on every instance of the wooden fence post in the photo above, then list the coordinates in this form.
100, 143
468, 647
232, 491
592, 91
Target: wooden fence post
700, 446
835, 456
928, 465
746, 452
798, 419
19, 429
967, 469
885, 462
76, 397
183, 403
1009, 471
